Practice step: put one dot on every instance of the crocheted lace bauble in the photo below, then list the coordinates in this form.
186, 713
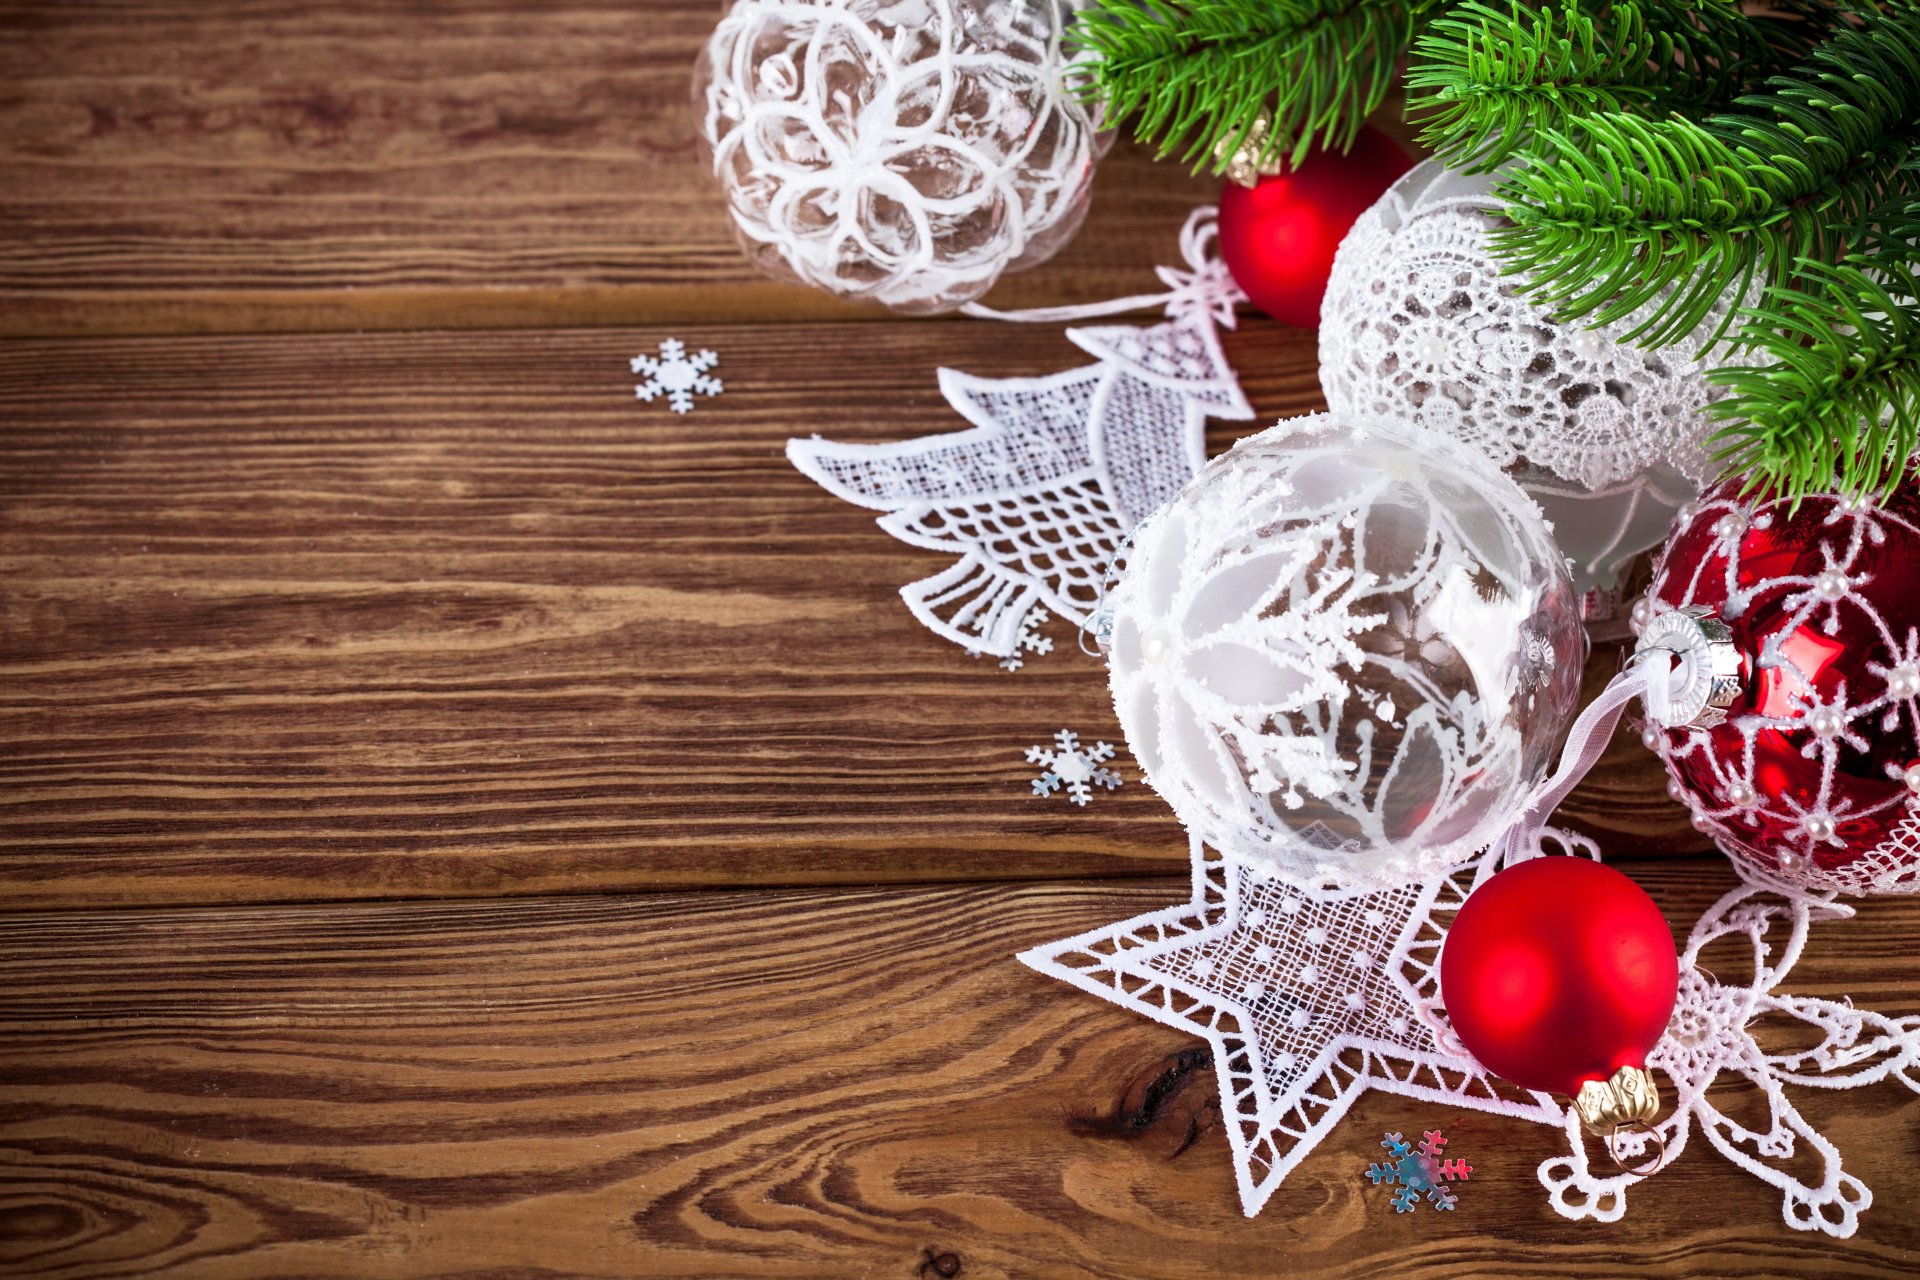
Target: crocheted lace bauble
1346, 650
905, 151
1419, 324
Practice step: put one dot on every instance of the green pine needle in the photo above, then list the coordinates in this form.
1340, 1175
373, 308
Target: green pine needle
1834, 401
1201, 72
1617, 213
1491, 82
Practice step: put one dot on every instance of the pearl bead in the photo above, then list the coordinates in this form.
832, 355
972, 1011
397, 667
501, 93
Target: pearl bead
1155, 646
1650, 738
1641, 613
1739, 793
1831, 584
1903, 682
1826, 723
1818, 827
1912, 778
1730, 526
1699, 821
1431, 349
1675, 790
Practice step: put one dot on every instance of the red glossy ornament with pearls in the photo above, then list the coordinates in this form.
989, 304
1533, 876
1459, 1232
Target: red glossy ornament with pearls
1278, 238
1558, 971
1811, 773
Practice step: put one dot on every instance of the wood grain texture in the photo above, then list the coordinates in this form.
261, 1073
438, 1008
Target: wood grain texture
812, 1083
420, 615
256, 165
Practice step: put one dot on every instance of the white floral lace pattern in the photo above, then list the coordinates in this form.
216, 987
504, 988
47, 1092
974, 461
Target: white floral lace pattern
1420, 324
1037, 498
1712, 1035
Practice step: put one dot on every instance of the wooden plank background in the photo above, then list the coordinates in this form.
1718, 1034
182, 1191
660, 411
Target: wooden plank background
410, 745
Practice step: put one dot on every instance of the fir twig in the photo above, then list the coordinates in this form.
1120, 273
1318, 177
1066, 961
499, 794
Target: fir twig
1201, 72
1490, 81
1834, 400
1618, 213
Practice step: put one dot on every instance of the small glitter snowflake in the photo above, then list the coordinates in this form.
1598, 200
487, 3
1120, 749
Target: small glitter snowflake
1029, 639
1419, 1172
676, 375
1070, 765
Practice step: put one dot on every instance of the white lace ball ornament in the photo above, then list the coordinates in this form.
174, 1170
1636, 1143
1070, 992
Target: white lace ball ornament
1345, 650
904, 151
1419, 324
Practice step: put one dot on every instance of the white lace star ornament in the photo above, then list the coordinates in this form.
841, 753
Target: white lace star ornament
1309, 997
676, 375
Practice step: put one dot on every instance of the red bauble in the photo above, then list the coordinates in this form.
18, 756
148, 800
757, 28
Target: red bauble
1814, 775
1278, 239
1557, 971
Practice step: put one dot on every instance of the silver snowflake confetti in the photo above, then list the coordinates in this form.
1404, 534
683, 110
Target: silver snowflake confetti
1419, 1172
1029, 639
1072, 766
676, 375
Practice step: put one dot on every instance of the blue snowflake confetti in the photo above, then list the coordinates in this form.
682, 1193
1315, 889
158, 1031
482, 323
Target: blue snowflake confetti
1418, 1173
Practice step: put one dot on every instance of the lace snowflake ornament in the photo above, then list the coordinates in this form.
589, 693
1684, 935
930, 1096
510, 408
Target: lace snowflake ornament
1035, 500
676, 375
1308, 996
1712, 1037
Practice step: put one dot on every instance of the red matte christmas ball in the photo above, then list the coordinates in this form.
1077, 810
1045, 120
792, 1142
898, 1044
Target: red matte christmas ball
1278, 238
1559, 971
1806, 765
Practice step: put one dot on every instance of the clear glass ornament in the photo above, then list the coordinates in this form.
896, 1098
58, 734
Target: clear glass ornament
1420, 323
1347, 650
903, 151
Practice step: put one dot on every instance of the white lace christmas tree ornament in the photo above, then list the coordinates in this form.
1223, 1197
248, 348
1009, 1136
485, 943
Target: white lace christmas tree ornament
1345, 650
1419, 323
1308, 997
904, 151
1713, 1036
1036, 499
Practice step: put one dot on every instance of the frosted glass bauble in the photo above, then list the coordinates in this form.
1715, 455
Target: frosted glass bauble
1346, 650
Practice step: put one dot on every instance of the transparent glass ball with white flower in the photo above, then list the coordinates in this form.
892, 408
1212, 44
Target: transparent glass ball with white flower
903, 151
1346, 650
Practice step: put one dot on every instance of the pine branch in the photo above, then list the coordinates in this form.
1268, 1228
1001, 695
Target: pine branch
1494, 81
1490, 81
1203, 71
1835, 400
1616, 213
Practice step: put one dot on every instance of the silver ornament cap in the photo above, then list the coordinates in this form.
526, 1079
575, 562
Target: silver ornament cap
1704, 678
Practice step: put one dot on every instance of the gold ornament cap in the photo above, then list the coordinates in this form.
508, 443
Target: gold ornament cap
1628, 1101
1244, 166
